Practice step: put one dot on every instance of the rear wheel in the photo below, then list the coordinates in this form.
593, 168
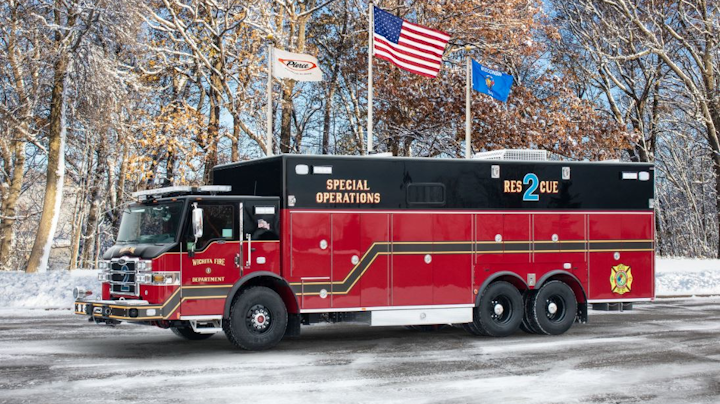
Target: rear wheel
189, 334
500, 311
472, 329
552, 309
257, 320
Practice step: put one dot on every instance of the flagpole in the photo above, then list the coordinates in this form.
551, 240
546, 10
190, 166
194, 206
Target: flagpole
468, 118
371, 32
269, 135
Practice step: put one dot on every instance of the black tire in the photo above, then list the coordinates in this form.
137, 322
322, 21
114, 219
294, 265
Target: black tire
552, 309
258, 319
501, 296
189, 334
472, 329
526, 324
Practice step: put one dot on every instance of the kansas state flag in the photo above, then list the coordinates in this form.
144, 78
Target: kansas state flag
491, 82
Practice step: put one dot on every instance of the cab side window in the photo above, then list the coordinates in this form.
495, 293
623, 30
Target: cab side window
218, 224
261, 221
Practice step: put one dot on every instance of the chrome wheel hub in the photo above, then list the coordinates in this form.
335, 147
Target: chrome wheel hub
552, 308
258, 318
498, 309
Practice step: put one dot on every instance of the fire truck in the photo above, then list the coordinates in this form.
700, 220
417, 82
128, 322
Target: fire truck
490, 244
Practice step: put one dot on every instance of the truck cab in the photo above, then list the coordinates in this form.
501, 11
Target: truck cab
178, 254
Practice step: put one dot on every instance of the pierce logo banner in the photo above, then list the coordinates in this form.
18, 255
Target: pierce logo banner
296, 66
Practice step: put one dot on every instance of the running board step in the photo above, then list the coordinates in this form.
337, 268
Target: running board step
422, 316
206, 327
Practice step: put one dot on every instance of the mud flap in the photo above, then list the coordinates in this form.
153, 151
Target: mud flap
293, 325
582, 313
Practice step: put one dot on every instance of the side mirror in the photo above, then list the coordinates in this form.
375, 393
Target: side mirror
197, 222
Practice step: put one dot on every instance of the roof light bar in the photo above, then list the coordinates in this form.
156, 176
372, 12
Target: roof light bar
159, 192
215, 188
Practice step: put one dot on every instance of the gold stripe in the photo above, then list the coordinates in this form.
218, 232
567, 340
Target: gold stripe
153, 306
206, 286
173, 310
463, 252
621, 241
137, 318
191, 298
166, 303
349, 273
216, 241
626, 250
470, 252
202, 298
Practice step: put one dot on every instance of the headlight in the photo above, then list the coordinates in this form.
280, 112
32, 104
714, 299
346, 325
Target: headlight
144, 265
103, 276
102, 265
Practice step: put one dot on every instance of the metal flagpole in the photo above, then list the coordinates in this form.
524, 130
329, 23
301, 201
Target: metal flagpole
269, 138
371, 32
468, 118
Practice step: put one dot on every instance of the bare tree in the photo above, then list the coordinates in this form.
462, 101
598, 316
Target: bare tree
681, 41
21, 90
611, 70
78, 45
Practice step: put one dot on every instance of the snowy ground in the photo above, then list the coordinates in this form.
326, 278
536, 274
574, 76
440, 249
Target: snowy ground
683, 276
51, 289
674, 277
662, 352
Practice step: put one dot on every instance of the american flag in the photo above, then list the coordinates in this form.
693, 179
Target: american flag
408, 46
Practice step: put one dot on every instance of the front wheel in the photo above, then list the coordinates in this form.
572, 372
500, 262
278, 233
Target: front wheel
499, 312
257, 320
552, 309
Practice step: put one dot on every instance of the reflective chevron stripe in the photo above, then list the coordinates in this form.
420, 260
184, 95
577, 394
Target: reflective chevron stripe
169, 307
463, 247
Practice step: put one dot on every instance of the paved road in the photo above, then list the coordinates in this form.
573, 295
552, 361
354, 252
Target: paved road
665, 352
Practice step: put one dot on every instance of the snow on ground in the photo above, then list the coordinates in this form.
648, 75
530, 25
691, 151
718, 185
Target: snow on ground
52, 289
665, 352
685, 276
673, 276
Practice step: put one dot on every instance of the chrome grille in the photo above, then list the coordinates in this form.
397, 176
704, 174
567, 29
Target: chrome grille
123, 274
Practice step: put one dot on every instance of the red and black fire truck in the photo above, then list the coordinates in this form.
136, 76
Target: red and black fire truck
284, 241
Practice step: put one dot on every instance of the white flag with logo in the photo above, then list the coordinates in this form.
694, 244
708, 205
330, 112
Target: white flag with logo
296, 66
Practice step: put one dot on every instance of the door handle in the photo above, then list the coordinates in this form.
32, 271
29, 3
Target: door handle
249, 260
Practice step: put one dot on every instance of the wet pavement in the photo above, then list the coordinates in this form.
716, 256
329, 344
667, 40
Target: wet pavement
662, 352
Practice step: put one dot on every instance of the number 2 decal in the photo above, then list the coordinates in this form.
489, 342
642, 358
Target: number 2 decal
126, 279
531, 179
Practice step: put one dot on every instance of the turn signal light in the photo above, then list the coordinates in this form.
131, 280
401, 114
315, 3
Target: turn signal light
158, 278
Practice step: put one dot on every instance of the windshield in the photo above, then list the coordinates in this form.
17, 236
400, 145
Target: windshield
152, 224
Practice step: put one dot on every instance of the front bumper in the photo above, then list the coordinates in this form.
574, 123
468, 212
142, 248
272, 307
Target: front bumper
122, 310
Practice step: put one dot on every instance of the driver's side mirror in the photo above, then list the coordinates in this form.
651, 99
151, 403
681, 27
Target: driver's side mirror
197, 222
197, 226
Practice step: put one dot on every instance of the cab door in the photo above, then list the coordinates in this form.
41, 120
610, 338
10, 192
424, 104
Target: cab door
260, 247
209, 269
